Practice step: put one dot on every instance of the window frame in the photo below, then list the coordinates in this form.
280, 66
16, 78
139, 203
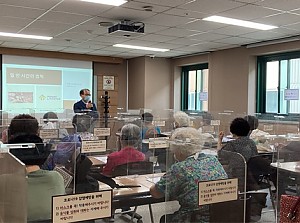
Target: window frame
262, 84
185, 83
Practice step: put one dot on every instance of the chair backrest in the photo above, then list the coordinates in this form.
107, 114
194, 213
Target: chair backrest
257, 167
141, 167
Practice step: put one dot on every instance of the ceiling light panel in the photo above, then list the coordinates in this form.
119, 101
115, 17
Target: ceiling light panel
17, 35
107, 2
141, 48
238, 22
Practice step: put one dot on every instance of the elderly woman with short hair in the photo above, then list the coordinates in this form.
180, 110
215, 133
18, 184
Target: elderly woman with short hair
181, 119
181, 181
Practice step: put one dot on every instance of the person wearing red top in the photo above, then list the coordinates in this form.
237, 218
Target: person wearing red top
130, 140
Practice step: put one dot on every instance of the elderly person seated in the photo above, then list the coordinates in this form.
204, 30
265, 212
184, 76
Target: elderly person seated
148, 129
181, 119
181, 181
41, 184
51, 122
240, 129
130, 142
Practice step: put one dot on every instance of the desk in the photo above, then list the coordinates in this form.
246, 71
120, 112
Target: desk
288, 166
136, 196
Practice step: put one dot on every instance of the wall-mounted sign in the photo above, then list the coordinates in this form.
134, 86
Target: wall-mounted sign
156, 143
92, 146
159, 123
291, 94
109, 83
212, 192
81, 207
215, 122
203, 96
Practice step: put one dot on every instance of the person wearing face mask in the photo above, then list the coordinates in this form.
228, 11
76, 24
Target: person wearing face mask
85, 104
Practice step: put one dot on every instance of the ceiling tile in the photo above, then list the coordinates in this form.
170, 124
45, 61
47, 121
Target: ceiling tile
43, 32
41, 4
202, 26
76, 50
263, 35
102, 53
280, 4
184, 41
167, 20
211, 7
115, 49
176, 32
156, 38
172, 3
9, 29
110, 39
167, 45
48, 47
125, 13
92, 45
295, 26
42, 24
77, 36
20, 12
62, 42
186, 13
233, 30
235, 40
18, 45
208, 36
247, 1
249, 12
149, 28
14, 21
70, 18
140, 5
279, 19
137, 42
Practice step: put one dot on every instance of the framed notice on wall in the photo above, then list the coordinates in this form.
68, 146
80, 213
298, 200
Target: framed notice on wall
109, 83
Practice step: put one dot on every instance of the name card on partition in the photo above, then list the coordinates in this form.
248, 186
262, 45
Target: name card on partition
92, 146
49, 133
158, 143
159, 123
291, 94
101, 131
66, 125
215, 122
268, 127
212, 192
81, 207
208, 129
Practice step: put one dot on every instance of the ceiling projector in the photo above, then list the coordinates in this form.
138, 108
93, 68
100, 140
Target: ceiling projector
127, 28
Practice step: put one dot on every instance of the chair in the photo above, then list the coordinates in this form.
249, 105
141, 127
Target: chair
134, 168
259, 174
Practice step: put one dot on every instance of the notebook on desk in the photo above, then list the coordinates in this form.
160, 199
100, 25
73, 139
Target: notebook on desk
67, 176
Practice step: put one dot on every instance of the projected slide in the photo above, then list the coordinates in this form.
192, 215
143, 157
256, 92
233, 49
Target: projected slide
42, 87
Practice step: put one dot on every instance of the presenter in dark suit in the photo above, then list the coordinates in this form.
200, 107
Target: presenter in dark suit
85, 104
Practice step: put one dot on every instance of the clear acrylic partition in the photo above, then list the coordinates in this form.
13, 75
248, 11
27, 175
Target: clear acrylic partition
13, 189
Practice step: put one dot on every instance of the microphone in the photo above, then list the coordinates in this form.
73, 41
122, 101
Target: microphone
90, 102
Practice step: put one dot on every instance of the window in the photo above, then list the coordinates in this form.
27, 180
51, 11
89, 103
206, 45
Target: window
195, 88
278, 84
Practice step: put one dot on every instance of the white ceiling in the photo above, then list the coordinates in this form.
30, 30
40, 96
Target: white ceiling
173, 24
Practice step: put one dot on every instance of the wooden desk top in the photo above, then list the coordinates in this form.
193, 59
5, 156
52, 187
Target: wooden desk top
293, 167
143, 180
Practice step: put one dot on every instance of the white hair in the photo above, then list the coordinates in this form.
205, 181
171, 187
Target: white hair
182, 119
130, 135
187, 140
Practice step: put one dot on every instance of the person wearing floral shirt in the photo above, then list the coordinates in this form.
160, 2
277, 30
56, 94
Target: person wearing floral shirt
181, 181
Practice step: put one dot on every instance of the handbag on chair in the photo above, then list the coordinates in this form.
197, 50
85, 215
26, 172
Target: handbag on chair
289, 209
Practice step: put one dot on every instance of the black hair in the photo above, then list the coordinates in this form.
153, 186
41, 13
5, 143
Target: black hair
49, 115
30, 156
82, 123
23, 124
81, 92
252, 121
239, 127
148, 117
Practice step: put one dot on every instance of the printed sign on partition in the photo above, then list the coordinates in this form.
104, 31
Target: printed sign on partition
66, 125
291, 94
49, 133
81, 207
109, 83
157, 143
101, 132
92, 146
208, 129
212, 192
159, 123
215, 122
268, 128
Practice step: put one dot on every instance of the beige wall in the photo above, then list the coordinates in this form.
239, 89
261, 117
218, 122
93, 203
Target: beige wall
136, 83
157, 83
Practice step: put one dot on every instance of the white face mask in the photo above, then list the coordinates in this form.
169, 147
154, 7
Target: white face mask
175, 158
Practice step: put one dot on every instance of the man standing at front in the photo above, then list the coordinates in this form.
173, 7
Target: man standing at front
85, 104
